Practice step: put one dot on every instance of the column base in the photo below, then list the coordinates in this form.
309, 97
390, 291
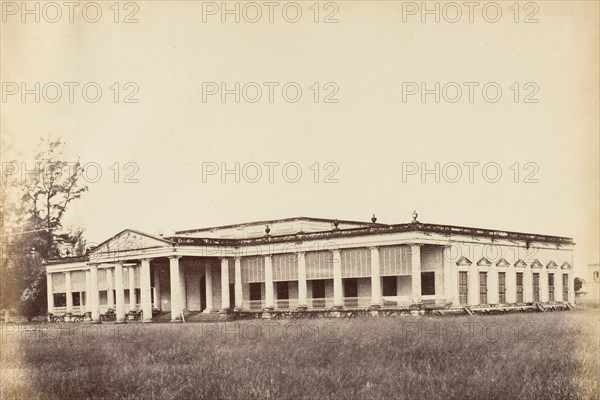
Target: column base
302, 307
120, 321
95, 322
337, 307
147, 321
207, 311
176, 320
224, 311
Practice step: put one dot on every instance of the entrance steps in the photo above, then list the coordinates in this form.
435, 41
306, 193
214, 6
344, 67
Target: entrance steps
198, 316
194, 316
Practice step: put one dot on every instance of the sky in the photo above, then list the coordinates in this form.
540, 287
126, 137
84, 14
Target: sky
356, 140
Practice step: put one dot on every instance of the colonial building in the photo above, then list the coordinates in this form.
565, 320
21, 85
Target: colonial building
312, 264
590, 290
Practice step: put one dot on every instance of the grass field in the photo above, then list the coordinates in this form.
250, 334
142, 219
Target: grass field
517, 356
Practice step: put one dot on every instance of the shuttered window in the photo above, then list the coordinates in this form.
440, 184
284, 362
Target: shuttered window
395, 260
59, 283
431, 258
356, 263
78, 281
285, 267
319, 265
253, 269
102, 279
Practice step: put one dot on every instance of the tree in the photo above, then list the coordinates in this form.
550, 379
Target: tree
578, 284
33, 212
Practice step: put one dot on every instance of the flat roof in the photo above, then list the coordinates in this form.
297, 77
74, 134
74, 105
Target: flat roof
364, 229
371, 229
273, 221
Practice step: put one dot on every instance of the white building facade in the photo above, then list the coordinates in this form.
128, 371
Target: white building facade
312, 264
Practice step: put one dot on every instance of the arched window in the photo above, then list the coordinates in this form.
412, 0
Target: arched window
596, 276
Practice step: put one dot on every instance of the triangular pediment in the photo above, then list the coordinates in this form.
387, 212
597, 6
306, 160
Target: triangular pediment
565, 265
463, 261
536, 264
520, 263
551, 265
484, 262
502, 263
129, 240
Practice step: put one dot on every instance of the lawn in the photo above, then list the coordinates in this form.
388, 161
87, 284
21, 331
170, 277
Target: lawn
550, 355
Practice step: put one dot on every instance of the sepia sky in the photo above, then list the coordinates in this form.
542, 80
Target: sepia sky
371, 58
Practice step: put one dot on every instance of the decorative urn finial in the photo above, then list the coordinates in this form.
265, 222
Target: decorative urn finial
335, 224
267, 230
373, 218
414, 217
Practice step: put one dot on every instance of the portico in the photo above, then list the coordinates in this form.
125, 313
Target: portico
356, 266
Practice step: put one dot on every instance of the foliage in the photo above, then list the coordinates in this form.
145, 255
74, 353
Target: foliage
33, 208
579, 283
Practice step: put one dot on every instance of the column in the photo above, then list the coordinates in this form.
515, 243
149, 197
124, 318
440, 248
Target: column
527, 285
415, 250
110, 300
338, 292
157, 304
492, 294
511, 284
175, 289
132, 297
88, 305
473, 284
182, 289
302, 280
224, 284
543, 285
558, 286
375, 277
50, 295
68, 294
209, 291
269, 301
455, 282
571, 282
145, 290
94, 294
239, 295
119, 293
448, 276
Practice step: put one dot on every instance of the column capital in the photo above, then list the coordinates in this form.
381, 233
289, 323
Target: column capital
238, 258
336, 251
373, 247
145, 259
174, 257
